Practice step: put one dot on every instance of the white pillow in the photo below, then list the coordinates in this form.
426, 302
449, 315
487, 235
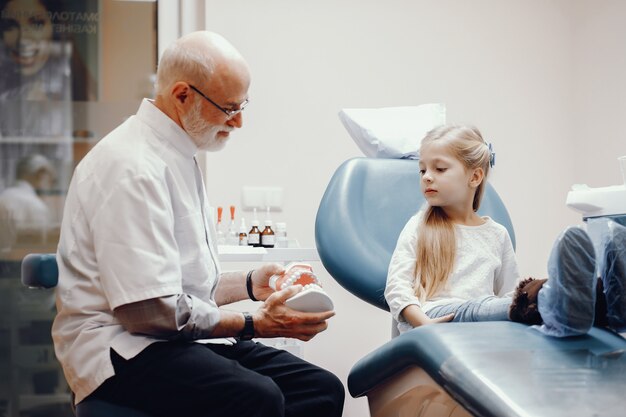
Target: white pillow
392, 132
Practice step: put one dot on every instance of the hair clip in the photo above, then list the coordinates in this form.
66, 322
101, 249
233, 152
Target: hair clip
492, 156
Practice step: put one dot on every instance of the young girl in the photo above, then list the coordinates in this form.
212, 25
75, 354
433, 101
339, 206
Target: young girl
452, 264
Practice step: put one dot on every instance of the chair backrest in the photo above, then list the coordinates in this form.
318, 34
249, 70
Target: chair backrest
366, 204
40, 270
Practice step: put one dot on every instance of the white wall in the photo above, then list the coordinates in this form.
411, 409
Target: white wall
541, 79
599, 70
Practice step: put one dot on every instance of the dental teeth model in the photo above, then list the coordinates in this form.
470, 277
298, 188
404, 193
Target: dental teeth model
312, 298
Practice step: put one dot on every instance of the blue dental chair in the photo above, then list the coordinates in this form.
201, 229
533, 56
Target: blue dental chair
490, 369
41, 271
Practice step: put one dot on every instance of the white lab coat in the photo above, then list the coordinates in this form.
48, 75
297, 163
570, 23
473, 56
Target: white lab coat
133, 229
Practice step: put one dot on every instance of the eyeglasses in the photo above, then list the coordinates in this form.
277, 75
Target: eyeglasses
228, 112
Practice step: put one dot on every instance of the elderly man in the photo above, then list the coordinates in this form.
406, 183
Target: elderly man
140, 319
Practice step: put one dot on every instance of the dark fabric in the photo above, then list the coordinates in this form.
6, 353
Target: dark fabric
600, 319
524, 308
245, 379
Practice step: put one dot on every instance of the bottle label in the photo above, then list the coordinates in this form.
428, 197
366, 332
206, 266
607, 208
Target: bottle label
268, 240
253, 239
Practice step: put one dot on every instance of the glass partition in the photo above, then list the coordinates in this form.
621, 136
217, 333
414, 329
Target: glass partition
70, 71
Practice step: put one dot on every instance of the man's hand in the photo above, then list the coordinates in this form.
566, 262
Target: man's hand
260, 280
275, 319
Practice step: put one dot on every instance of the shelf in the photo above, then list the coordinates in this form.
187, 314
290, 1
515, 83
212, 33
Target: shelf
251, 254
50, 140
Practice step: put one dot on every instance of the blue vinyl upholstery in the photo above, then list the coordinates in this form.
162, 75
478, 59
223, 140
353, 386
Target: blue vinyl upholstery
41, 271
491, 368
507, 369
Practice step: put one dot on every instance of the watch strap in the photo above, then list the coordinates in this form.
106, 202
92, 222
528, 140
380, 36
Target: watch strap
249, 286
248, 327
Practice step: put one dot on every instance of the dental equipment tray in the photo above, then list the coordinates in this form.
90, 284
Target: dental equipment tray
507, 369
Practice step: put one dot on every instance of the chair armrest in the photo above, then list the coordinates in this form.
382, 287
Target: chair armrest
505, 368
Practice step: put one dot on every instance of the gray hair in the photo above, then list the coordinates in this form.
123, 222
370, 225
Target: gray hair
183, 61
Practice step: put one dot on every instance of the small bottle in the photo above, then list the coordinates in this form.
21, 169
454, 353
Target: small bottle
243, 236
254, 235
281, 235
268, 239
221, 238
233, 236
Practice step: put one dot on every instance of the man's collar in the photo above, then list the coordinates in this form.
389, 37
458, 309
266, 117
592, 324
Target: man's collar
165, 128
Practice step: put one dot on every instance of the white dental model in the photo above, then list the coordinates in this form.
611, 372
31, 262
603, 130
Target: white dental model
312, 298
599, 202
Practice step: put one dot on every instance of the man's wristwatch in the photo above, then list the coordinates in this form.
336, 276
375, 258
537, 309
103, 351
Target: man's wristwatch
248, 327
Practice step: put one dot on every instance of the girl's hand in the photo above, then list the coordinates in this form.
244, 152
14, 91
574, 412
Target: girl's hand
442, 319
416, 317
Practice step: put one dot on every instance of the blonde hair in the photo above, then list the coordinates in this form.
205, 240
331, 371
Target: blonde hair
436, 242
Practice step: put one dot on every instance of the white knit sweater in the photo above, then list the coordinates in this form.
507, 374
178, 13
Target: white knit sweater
485, 264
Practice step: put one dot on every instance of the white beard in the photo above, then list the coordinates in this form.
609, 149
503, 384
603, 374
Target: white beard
203, 133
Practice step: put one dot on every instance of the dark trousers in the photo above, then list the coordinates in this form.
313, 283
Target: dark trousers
247, 379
